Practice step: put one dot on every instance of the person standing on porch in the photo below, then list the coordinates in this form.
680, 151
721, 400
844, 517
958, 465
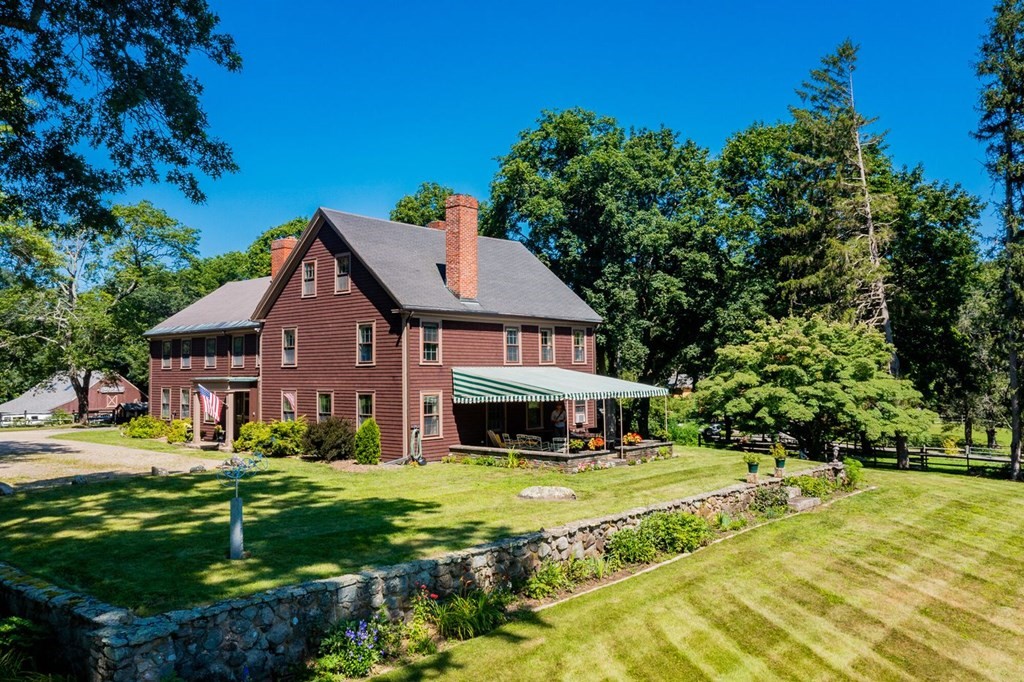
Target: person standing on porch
558, 419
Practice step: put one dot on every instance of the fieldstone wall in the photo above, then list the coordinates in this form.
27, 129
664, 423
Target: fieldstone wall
272, 630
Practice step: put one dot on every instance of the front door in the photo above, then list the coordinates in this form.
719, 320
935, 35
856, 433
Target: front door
241, 399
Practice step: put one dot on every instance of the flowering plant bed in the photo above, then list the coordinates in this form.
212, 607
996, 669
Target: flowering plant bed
632, 439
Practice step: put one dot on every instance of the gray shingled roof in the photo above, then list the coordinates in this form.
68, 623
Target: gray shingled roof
45, 396
408, 261
227, 308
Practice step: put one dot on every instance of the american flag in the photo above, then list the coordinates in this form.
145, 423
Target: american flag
211, 403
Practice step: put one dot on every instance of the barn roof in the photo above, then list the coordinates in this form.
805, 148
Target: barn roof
409, 262
228, 308
46, 396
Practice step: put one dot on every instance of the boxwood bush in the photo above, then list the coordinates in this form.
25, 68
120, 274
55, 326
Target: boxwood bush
367, 442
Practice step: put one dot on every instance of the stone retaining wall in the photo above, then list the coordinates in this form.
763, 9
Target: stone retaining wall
272, 630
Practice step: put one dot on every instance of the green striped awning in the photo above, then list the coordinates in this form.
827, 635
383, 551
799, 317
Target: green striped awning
543, 384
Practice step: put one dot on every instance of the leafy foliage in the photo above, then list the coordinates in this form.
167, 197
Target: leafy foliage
464, 616
676, 532
812, 486
367, 442
145, 426
87, 74
179, 431
549, 579
767, 499
631, 546
350, 648
818, 381
854, 472
330, 439
274, 439
426, 204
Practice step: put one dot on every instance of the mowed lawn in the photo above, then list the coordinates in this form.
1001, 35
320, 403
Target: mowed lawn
108, 436
920, 579
159, 543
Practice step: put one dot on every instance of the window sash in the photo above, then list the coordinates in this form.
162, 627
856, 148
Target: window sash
431, 332
547, 346
287, 408
186, 354
165, 355
512, 345
309, 278
211, 352
289, 338
237, 351
342, 274
579, 412
430, 412
324, 406
579, 346
185, 404
364, 408
165, 403
365, 344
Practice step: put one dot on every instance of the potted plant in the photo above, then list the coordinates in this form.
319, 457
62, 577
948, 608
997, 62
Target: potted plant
753, 460
778, 453
632, 438
576, 444
595, 443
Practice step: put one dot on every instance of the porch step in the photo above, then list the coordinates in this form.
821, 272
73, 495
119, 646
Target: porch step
792, 491
801, 503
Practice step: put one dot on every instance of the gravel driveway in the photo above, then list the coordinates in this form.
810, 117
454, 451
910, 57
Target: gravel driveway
30, 459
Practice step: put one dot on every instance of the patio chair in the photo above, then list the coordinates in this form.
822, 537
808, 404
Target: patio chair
529, 442
494, 440
558, 444
508, 441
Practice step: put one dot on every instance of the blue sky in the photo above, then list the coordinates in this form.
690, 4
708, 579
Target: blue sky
352, 105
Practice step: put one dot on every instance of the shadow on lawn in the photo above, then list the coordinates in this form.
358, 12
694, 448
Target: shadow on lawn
157, 544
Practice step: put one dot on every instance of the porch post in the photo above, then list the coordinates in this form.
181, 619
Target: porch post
666, 415
622, 447
197, 418
229, 420
565, 406
604, 422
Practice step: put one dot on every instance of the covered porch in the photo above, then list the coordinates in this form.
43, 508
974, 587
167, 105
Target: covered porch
237, 396
591, 429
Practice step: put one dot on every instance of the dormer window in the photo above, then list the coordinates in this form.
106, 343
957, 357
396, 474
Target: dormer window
308, 278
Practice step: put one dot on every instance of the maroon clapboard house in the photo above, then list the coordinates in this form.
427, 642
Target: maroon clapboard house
363, 317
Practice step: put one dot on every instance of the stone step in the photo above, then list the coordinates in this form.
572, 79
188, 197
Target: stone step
792, 491
801, 503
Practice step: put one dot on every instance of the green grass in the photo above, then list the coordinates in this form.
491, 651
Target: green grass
919, 579
114, 437
159, 543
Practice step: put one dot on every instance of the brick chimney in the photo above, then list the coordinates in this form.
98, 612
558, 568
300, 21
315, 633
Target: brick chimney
280, 249
460, 245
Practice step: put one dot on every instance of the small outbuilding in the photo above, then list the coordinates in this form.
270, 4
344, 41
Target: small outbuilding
38, 404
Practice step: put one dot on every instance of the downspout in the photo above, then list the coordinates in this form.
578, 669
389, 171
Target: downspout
405, 384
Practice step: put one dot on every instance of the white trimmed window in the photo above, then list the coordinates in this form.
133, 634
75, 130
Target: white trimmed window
579, 347
308, 278
211, 351
430, 339
364, 343
165, 403
364, 408
430, 414
342, 273
186, 353
165, 355
288, 400
534, 416
579, 412
512, 356
237, 351
185, 403
547, 346
289, 345
324, 406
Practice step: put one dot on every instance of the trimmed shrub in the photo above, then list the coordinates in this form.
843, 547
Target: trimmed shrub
276, 439
367, 442
676, 532
179, 431
331, 439
631, 546
146, 426
767, 500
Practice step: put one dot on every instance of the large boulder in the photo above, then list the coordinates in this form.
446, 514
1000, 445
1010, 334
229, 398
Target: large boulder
5, 489
548, 492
